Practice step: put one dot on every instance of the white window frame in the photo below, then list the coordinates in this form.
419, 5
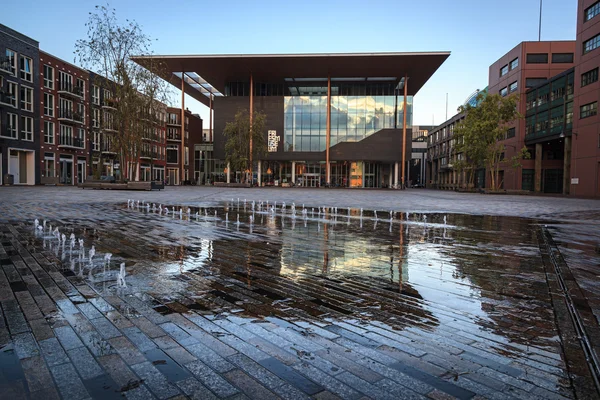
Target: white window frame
48, 105
24, 74
49, 132
27, 99
96, 95
81, 83
26, 128
12, 56
14, 91
63, 78
96, 142
66, 105
96, 118
48, 77
81, 111
66, 131
49, 160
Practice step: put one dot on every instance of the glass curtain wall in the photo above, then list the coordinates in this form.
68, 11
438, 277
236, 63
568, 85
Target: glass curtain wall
353, 118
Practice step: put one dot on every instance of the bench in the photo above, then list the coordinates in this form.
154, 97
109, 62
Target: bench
111, 184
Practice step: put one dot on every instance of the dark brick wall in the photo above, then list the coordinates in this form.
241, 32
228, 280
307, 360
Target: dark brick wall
26, 46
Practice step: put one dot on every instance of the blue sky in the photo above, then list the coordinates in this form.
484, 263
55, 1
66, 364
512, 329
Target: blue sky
477, 32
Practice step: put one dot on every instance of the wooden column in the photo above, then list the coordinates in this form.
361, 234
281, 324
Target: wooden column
210, 119
567, 166
404, 111
538, 167
182, 152
251, 119
328, 134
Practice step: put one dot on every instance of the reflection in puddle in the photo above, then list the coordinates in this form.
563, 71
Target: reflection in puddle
390, 271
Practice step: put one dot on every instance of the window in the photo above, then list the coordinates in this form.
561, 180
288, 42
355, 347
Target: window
26, 67
591, 11
96, 118
533, 82
537, 58
514, 63
504, 70
588, 110
81, 112
48, 77
48, 105
27, 128
26, 98
81, 87
589, 77
10, 64
11, 126
172, 154
562, 58
66, 81
512, 87
510, 133
503, 91
96, 143
11, 94
591, 44
96, 95
48, 165
186, 159
66, 109
108, 121
48, 132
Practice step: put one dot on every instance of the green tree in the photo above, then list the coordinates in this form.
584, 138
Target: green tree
237, 136
137, 96
479, 137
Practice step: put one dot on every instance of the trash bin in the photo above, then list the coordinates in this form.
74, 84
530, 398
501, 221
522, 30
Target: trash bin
9, 179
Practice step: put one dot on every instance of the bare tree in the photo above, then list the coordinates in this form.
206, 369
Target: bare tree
135, 93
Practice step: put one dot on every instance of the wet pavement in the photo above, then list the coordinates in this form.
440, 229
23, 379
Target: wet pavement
327, 304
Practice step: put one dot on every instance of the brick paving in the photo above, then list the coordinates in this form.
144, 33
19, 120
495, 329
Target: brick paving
328, 308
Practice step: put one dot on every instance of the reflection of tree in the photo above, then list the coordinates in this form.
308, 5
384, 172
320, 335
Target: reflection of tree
494, 256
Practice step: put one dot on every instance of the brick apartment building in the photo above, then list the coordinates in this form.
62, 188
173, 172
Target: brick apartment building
64, 121
19, 108
178, 145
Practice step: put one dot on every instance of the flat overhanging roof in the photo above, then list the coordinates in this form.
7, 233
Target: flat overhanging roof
206, 74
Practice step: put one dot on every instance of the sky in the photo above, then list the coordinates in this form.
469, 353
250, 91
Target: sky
476, 32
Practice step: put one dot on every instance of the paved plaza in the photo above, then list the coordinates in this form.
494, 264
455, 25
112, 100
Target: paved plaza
338, 293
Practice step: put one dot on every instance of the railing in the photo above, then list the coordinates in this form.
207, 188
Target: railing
71, 141
8, 130
65, 113
149, 154
173, 136
173, 122
6, 98
154, 138
107, 148
66, 87
109, 103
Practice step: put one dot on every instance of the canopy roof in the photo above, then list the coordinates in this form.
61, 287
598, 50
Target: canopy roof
207, 74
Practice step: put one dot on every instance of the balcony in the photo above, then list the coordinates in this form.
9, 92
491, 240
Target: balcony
108, 149
174, 137
7, 99
70, 116
152, 138
71, 142
150, 155
109, 104
7, 65
173, 122
66, 88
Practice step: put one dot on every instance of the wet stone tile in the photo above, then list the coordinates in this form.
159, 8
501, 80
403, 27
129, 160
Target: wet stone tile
106, 329
211, 380
255, 370
41, 329
53, 352
249, 386
85, 363
25, 345
149, 328
89, 310
195, 390
139, 393
118, 370
67, 337
139, 339
156, 381
68, 382
210, 358
37, 374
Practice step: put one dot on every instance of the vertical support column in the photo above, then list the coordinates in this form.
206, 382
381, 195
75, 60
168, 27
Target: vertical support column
404, 111
251, 121
567, 166
396, 175
259, 173
328, 134
538, 168
182, 150
228, 173
293, 172
391, 177
210, 115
